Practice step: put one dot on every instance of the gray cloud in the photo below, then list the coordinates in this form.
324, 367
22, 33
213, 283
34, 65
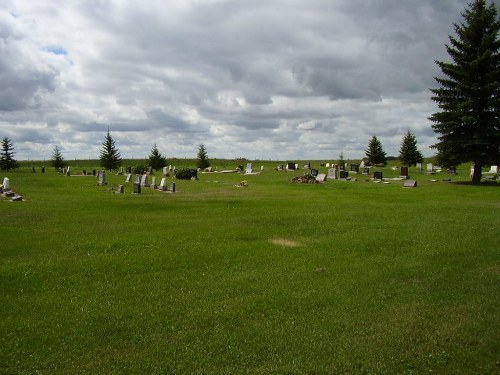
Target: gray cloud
282, 79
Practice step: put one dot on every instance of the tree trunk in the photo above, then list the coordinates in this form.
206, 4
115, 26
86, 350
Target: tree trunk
476, 177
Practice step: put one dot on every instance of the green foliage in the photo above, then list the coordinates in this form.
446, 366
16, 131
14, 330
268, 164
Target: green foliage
156, 160
216, 279
341, 160
57, 160
467, 122
7, 161
183, 174
109, 156
202, 158
375, 154
408, 153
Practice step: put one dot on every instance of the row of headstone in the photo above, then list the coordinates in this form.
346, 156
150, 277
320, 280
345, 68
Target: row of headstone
42, 169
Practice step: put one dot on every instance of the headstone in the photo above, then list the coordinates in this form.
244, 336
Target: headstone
332, 174
410, 183
307, 166
153, 182
404, 172
327, 165
377, 175
163, 184
68, 173
121, 171
137, 188
290, 166
129, 170
362, 164
430, 167
419, 166
342, 167
354, 168
33, 169
343, 175
321, 177
120, 189
165, 171
144, 180
43, 169
366, 170
93, 172
296, 166
150, 169
172, 187
129, 176
102, 179
194, 174
314, 172
261, 168
249, 168
6, 184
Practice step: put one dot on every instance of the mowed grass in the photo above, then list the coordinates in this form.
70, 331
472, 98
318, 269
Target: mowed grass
274, 278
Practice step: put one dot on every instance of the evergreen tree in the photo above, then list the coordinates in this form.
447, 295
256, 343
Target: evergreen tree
202, 159
110, 157
57, 159
375, 153
408, 153
156, 159
7, 161
468, 98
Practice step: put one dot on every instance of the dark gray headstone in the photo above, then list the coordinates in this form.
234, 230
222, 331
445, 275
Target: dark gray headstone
377, 175
137, 188
314, 172
172, 187
343, 174
404, 172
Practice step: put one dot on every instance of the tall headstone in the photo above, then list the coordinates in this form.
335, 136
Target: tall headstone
6, 184
163, 184
101, 179
153, 182
343, 175
137, 188
249, 168
144, 180
404, 173
172, 187
165, 171
68, 173
129, 176
43, 169
355, 168
120, 189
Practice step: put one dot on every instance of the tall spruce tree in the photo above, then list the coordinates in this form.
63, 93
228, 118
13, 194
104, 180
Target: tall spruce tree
156, 159
202, 158
7, 161
375, 153
57, 160
468, 121
110, 157
408, 153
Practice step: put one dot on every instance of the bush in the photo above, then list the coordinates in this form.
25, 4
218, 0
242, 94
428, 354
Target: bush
183, 174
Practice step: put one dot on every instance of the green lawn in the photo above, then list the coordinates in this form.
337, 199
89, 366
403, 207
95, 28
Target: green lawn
274, 278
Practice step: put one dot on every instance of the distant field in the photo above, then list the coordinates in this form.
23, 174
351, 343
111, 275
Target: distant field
273, 278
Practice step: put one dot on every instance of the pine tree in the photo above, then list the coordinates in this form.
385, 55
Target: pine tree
469, 94
110, 157
375, 153
57, 159
408, 153
202, 159
156, 159
7, 161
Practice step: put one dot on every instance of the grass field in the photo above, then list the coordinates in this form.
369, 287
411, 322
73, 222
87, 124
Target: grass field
274, 278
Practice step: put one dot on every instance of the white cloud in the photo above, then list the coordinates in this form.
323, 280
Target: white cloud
283, 80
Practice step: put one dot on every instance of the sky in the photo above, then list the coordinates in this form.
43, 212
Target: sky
268, 80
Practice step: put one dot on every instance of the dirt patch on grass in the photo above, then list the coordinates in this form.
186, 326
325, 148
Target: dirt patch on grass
285, 242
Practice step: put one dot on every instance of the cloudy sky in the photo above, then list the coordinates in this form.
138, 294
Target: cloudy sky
282, 79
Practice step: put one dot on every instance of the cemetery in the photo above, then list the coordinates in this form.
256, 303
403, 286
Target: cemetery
278, 267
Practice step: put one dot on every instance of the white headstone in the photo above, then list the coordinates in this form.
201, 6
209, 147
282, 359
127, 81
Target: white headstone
144, 180
6, 184
249, 168
163, 184
153, 182
362, 164
430, 167
165, 171
261, 167
321, 177
327, 165
102, 178
129, 176
332, 174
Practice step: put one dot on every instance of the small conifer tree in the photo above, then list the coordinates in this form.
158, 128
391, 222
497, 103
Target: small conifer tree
408, 153
375, 153
110, 157
7, 161
156, 159
202, 159
57, 159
